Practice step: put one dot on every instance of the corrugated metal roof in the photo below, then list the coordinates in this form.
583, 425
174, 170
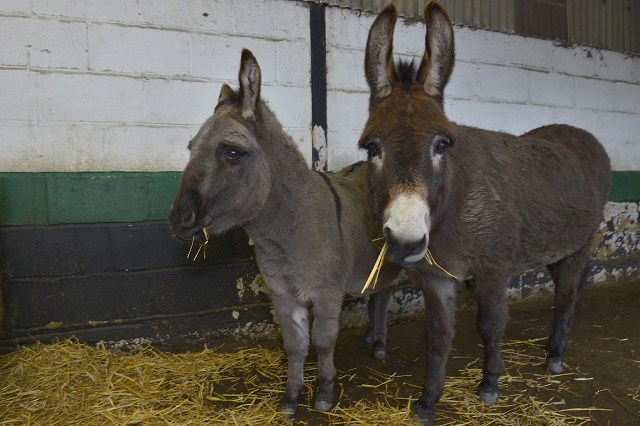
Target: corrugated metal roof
614, 24
610, 24
495, 15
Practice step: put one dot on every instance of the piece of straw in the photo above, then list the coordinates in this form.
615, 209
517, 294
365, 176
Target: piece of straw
69, 382
375, 272
202, 246
432, 261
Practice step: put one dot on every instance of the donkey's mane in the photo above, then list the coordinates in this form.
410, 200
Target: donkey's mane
407, 73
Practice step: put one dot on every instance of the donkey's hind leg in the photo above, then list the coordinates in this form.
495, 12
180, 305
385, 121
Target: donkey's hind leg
567, 275
377, 331
324, 333
295, 332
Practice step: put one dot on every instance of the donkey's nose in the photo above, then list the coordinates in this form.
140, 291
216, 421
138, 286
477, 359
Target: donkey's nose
405, 252
188, 219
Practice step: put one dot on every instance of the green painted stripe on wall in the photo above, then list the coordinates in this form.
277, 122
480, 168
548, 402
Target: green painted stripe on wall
625, 186
59, 198
62, 198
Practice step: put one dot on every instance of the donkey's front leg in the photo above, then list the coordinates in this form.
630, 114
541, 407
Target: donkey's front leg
295, 332
439, 298
490, 295
324, 333
376, 335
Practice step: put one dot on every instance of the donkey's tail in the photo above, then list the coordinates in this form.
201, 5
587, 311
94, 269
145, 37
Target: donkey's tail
585, 284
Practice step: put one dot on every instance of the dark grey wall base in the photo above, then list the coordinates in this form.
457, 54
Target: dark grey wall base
100, 279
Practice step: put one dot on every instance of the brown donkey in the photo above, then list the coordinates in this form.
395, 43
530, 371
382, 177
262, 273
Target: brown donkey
486, 204
312, 232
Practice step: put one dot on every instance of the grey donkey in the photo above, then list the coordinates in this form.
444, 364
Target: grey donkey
313, 233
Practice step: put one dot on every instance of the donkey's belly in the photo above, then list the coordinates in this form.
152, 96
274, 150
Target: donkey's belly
555, 246
543, 260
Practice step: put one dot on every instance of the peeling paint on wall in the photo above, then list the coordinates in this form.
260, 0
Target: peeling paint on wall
319, 152
255, 331
619, 237
258, 285
240, 287
129, 345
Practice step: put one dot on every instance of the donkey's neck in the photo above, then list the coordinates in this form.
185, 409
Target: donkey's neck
293, 184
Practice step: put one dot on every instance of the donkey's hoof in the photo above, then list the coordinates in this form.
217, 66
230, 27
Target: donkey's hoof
422, 415
555, 366
287, 409
368, 338
287, 412
488, 390
323, 406
379, 351
488, 397
324, 398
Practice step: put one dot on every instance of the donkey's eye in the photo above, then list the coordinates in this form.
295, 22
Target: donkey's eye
232, 154
372, 149
441, 145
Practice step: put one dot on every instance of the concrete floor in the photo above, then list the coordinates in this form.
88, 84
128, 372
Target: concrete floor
603, 358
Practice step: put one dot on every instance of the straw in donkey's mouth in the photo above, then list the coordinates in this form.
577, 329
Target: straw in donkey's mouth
202, 246
373, 276
375, 272
432, 261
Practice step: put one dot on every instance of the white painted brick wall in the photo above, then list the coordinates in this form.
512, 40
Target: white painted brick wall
131, 50
43, 43
61, 97
480, 46
464, 82
530, 53
122, 85
179, 102
501, 83
551, 89
15, 99
614, 66
22, 155
218, 57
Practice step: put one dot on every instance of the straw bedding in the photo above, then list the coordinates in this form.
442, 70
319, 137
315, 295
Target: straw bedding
72, 383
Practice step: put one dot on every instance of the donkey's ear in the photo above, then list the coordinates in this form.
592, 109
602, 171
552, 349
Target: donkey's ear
226, 93
379, 66
439, 56
250, 80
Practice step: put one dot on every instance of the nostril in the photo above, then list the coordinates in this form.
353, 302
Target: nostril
386, 231
188, 219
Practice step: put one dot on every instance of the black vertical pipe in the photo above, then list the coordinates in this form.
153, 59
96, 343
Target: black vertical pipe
317, 26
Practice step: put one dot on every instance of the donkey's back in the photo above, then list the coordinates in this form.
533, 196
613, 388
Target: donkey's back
585, 148
536, 198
